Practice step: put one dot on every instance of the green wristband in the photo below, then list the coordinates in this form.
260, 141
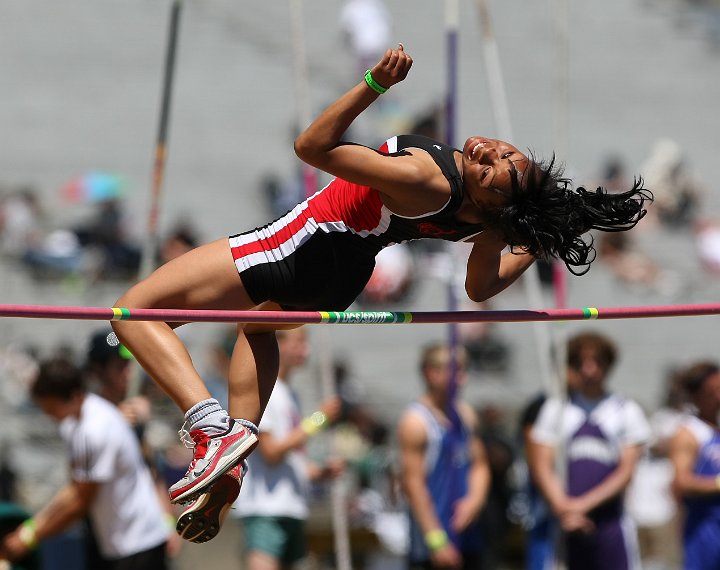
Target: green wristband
436, 539
28, 534
374, 85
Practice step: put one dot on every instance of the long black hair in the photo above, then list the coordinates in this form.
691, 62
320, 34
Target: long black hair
547, 217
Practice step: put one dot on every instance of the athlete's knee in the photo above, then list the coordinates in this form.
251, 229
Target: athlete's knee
132, 298
135, 298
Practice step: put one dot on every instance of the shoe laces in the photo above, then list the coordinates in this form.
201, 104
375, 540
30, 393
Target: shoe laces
185, 437
197, 442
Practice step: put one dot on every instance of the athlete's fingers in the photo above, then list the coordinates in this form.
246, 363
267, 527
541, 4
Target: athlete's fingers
392, 62
403, 62
403, 66
384, 60
393, 67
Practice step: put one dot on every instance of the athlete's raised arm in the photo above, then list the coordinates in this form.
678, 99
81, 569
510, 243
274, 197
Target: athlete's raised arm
319, 145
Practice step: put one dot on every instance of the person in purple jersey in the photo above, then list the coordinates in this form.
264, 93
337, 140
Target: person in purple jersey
320, 255
695, 453
602, 434
445, 473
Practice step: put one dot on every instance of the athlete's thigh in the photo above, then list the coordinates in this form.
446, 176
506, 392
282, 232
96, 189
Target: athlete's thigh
204, 277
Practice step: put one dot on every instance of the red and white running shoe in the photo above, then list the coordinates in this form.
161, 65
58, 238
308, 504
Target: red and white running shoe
214, 456
203, 518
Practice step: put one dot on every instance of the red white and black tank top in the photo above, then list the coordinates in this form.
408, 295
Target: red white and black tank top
344, 206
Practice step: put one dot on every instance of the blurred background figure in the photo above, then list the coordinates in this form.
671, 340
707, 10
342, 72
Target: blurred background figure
215, 374
58, 254
109, 367
613, 174
282, 194
393, 278
528, 506
602, 434
486, 350
695, 454
105, 231
110, 482
21, 221
634, 268
677, 190
181, 238
706, 232
500, 452
273, 503
366, 26
650, 499
444, 469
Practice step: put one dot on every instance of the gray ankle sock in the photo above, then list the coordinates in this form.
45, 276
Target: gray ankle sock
248, 424
208, 416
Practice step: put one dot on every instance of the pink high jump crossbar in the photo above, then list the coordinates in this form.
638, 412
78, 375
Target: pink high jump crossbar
353, 317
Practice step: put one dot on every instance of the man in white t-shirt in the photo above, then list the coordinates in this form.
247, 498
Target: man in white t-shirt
273, 504
109, 481
601, 436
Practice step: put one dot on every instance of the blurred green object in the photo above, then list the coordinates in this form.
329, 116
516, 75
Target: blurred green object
11, 515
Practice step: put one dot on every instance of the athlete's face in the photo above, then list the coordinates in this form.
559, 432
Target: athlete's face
488, 166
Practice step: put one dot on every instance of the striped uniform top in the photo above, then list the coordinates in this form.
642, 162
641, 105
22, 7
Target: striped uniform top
340, 229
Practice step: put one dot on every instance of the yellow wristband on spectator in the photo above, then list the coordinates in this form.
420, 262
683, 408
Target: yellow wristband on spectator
314, 422
436, 539
28, 533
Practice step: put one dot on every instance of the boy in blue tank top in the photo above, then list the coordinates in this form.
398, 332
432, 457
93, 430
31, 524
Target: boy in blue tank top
695, 453
445, 474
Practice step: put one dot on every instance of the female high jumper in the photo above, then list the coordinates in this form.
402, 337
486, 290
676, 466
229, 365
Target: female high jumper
320, 255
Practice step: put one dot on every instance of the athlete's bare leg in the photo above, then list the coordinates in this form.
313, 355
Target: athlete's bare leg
254, 368
204, 278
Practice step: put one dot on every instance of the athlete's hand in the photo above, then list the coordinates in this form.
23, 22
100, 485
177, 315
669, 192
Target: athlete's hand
447, 558
464, 513
393, 67
12, 547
